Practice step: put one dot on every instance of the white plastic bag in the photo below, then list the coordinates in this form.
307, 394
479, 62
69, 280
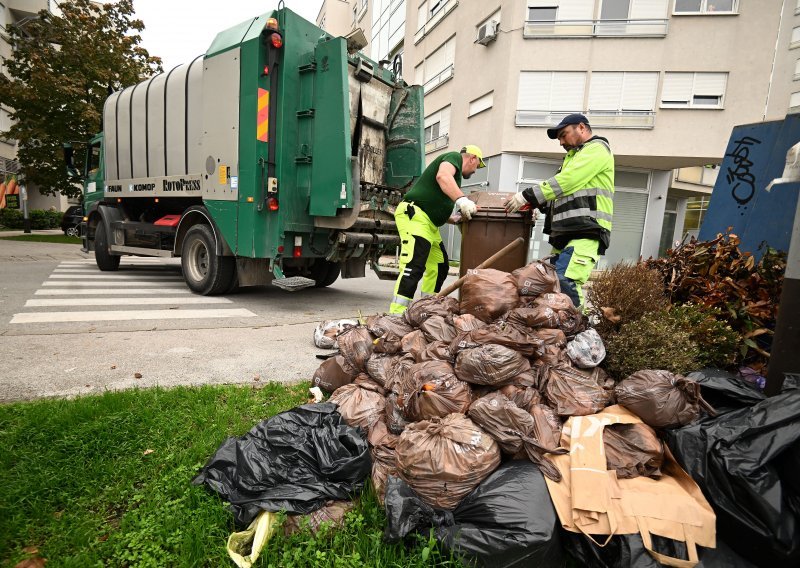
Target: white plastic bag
587, 350
326, 332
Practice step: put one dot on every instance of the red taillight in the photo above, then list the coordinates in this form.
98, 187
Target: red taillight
298, 252
280, 249
272, 204
266, 71
277, 41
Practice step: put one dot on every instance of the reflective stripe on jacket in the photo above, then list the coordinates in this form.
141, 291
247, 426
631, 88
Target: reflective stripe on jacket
581, 194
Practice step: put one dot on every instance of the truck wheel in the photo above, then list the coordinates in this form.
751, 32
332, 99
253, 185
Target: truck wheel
106, 261
205, 272
324, 272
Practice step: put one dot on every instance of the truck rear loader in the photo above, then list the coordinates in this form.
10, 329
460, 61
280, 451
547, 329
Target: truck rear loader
277, 156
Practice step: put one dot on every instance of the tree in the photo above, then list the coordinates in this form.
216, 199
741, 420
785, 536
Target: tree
61, 71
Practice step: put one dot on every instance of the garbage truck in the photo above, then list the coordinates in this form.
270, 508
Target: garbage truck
277, 157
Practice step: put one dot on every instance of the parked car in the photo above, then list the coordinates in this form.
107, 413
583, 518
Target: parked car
71, 222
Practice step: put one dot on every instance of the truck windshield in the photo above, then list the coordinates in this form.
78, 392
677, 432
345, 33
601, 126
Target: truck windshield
93, 160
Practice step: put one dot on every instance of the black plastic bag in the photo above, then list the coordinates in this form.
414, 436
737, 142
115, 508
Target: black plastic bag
724, 391
294, 461
508, 520
628, 551
738, 460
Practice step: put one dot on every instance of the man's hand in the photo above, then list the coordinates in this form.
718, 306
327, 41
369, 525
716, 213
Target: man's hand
467, 207
516, 202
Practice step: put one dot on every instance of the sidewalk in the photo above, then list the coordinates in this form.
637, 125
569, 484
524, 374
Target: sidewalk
19, 233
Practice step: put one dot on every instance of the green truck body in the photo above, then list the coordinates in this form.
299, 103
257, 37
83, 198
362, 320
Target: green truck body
277, 154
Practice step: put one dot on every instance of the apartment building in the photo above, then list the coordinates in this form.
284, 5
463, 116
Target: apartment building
664, 80
18, 13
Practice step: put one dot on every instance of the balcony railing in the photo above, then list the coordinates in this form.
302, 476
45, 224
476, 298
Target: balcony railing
604, 119
595, 28
437, 143
434, 20
444, 75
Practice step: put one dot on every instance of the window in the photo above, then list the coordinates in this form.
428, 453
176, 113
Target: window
615, 9
797, 70
544, 97
794, 101
481, 104
706, 6
430, 13
795, 38
437, 127
542, 14
693, 90
2, 18
438, 66
388, 26
623, 99
696, 208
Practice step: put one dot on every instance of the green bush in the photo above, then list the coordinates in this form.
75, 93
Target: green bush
11, 218
657, 340
717, 341
54, 219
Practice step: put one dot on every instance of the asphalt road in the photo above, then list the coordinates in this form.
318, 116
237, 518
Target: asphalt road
68, 329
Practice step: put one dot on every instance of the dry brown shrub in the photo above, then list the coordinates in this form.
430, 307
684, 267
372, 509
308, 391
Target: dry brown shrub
623, 294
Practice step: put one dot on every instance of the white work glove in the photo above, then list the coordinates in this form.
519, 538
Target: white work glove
516, 202
467, 207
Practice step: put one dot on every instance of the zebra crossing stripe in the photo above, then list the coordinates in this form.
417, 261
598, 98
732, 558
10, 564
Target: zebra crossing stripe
115, 277
107, 284
123, 315
180, 300
109, 291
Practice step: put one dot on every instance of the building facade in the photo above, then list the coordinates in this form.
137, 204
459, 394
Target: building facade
664, 81
18, 13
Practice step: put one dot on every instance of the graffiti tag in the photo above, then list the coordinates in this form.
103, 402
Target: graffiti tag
745, 186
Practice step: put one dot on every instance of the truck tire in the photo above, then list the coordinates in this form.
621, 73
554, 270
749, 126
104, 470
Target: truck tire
106, 261
204, 271
324, 272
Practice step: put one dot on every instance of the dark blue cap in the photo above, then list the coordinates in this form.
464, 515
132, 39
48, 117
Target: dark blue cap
576, 118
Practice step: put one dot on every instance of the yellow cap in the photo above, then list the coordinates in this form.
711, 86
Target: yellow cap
475, 151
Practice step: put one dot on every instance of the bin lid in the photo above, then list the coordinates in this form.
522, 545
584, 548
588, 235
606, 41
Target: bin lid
493, 204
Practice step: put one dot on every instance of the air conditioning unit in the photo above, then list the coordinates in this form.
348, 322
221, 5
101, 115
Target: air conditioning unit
487, 33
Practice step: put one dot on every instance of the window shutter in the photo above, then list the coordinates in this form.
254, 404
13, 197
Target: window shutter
794, 100
433, 118
677, 87
449, 52
639, 91
567, 91
797, 63
796, 35
710, 84
605, 91
444, 124
435, 63
422, 16
481, 103
534, 90
545, 3
575, 10
649, 9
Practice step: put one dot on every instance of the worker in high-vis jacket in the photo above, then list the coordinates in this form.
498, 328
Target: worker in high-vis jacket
578, 201
426, 207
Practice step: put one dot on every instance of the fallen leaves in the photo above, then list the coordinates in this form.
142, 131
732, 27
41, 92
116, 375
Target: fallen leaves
137, 375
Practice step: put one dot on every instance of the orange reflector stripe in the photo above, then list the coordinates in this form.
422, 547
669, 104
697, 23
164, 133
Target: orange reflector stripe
262, 120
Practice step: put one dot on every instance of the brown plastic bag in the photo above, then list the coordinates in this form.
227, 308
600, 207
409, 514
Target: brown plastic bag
524, 397
490, 365
466, 322
355, 345
414, 343
497, 333
379, 367
514, 431
548, 426
422, 309
574, 392
661, 399
536, 278
436, 351
360, 404
633, 450
488, 294
389, 331
444, 459
333, 373
437, 328
432, 390
333, 512
382, 444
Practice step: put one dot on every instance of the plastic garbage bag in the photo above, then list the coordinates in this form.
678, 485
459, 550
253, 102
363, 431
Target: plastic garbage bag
333, 373
725, 391
736, 460
333, 512
422, 309
326, 332
379, 366
414, 344
633, 450
388, 331
436, 351
356, 346
383, 445
490, 365
295, 461
587, 350
551, 310
660, 398
437, 328
526, 341
361, 403
536, 279
488, 293
432, 389
508, 520
574, 392
466, 322
245, 547
443, 459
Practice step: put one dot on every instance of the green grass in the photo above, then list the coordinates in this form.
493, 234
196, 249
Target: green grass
79, 484
44, 239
